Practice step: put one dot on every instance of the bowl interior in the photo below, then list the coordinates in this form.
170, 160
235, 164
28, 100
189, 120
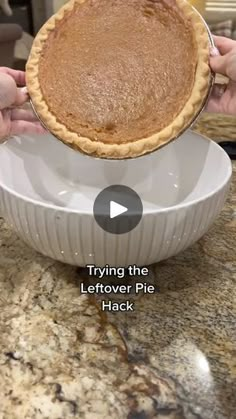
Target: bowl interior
43, 169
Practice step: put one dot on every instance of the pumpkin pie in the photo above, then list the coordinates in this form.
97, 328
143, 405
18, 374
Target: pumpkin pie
119, 78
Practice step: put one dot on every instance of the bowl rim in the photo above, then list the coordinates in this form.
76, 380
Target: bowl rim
152, 211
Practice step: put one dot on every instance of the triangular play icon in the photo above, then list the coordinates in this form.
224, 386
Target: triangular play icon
116, 209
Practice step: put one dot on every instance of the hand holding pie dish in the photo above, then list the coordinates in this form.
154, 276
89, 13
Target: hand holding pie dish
16, 116
120, 79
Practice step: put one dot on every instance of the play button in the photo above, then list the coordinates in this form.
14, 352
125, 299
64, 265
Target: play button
118, 209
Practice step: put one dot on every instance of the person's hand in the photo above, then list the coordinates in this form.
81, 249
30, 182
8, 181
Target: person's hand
223, 98
13, 119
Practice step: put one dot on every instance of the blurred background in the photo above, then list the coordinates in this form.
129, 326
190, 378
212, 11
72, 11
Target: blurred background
20, 21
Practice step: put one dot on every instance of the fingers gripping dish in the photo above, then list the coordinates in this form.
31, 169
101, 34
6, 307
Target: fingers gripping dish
119, 78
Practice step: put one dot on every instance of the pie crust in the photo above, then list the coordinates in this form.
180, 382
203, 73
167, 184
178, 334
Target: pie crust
133, 148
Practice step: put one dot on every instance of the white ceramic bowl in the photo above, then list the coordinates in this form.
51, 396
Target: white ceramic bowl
47, 193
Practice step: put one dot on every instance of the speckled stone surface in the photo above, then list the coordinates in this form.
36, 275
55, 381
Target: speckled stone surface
174, 357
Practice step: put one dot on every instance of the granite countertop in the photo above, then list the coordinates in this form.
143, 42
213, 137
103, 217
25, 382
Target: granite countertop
173, 357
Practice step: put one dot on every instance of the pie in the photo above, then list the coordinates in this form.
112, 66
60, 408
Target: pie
119, 78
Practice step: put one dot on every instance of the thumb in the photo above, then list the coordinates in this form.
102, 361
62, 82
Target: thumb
8, 91
10, 95
219, 64
225, 65
21, 96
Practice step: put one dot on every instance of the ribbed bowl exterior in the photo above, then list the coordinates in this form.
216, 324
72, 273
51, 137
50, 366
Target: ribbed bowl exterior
76, 238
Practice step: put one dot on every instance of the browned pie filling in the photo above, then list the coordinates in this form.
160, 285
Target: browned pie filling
119, 70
